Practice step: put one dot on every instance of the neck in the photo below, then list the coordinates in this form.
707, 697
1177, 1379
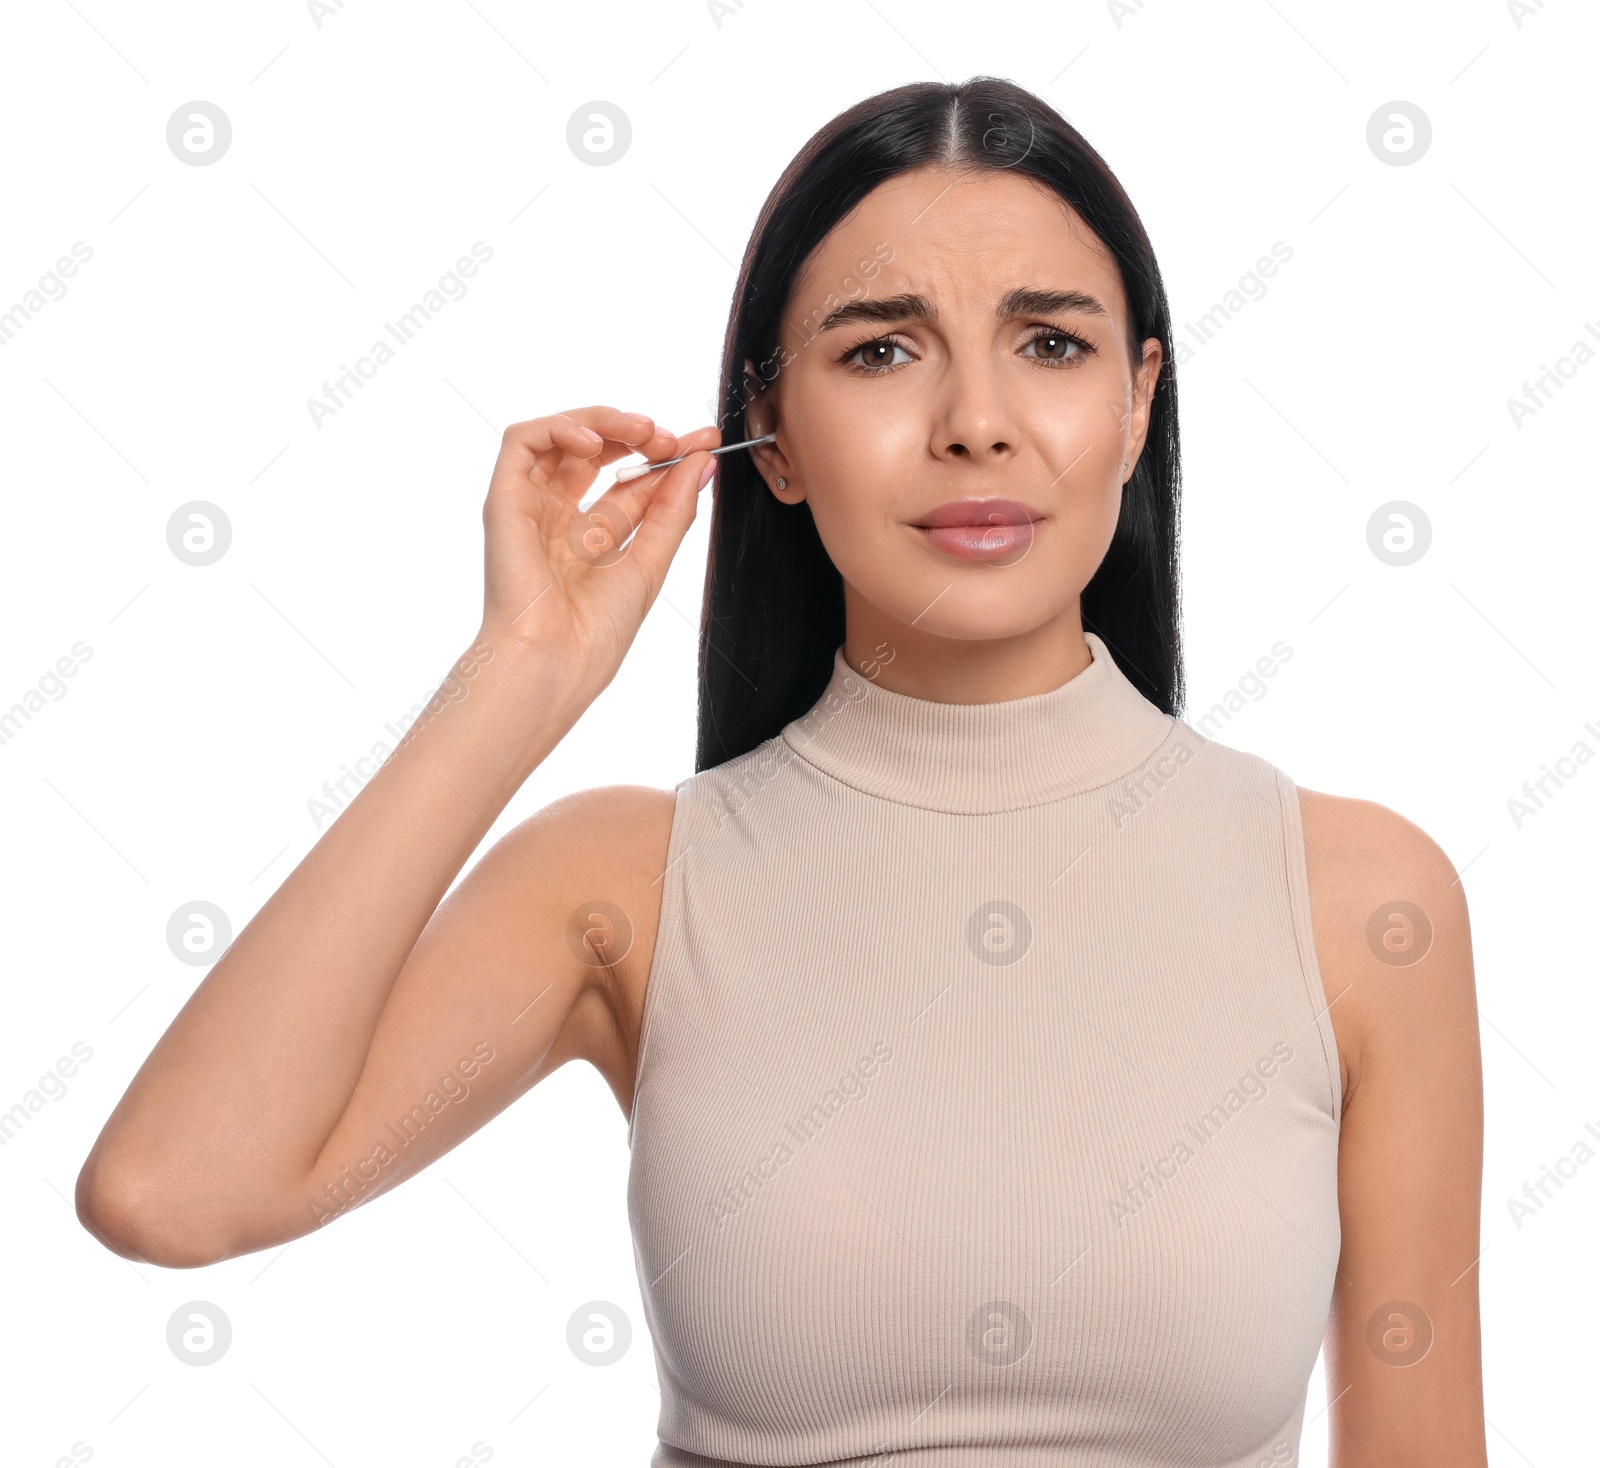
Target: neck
920, 664
991, 755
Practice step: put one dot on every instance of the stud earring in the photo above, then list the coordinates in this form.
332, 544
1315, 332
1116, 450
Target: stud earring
782, 482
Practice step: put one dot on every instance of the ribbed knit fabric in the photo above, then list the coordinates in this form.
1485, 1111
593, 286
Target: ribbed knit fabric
987, 1108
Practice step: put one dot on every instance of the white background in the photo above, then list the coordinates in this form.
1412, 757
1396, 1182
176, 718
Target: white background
368, 154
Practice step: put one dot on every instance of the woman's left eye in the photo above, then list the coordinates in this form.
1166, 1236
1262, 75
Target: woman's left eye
1055, 346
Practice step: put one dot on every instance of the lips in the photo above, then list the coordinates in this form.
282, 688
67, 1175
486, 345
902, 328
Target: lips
990, 510
992, 529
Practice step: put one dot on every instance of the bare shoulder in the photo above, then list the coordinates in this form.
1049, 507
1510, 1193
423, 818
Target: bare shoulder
1386, 901
1393, 942
612, 841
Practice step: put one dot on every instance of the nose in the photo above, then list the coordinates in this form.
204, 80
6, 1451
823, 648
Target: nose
973, 418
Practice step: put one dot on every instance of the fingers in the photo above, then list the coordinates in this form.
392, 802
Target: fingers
563, 451
671, 500
599, 432
701, 438
610, 434
629, 536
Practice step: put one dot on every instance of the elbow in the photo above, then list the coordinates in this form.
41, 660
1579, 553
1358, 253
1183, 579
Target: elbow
130, 1215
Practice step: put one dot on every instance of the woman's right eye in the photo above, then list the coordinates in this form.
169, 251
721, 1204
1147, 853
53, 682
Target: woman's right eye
878, 355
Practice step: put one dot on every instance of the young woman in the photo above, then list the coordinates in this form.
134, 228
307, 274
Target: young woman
1013, 1074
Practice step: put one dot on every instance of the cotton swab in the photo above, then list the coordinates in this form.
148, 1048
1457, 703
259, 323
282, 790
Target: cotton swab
624, 475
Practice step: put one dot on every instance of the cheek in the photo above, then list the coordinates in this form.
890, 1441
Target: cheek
855, 463
838, 431
1081, 438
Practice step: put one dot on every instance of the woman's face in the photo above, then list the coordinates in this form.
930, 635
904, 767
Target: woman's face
958, 407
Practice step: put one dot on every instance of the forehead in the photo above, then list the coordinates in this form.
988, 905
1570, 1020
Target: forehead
959, 237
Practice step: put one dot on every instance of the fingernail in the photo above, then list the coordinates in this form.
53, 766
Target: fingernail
590, 433
640, 418
706, 473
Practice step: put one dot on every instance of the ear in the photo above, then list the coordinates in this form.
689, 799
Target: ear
760, 418
1144, 391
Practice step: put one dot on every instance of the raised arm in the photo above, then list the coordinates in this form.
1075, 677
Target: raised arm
355, 1029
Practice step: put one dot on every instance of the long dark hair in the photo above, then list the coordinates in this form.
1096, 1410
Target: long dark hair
774, 602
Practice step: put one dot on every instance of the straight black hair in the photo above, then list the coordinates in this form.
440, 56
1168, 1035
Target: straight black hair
773, 610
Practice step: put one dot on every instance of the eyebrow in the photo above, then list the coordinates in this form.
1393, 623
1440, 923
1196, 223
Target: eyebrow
1023, 301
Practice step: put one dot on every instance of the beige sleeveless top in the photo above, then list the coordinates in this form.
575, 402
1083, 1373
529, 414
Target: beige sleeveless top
987, 1106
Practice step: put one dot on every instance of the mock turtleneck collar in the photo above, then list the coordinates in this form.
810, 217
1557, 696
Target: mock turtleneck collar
975, 758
